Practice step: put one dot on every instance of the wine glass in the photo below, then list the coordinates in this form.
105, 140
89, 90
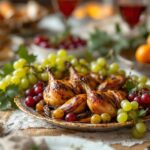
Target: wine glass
65, 7
132, 10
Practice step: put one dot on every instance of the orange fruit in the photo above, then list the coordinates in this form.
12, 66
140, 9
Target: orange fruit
143, 53
148, 39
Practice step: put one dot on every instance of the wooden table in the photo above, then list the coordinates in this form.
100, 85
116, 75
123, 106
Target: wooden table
57, 132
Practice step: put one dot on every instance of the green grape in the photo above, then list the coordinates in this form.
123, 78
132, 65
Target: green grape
83, 62
132, 115
7, 79
106, 117
70, 57
103, 72
19, 72
62, 53
142, 79
122, 72
78, 68
52, 57
2, 85
32, 78
24, 83
141, 85
74, 62
20, 63
102, 62
60, 61
44, 76
137, 134
135, 105
45, 63
95, 119
61, 67
39, 68
120, 111
122, 102
84, 70
141, 127
122, 117
95, 67
126, 106
113, 68
15, 80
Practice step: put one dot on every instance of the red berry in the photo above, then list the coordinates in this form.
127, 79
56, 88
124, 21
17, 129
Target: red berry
139, 100
29, 101
29, 92
40, 95
37, 99
39, 39
40, 83
45, 44
131, 96
70, 117
38, 89
145, 98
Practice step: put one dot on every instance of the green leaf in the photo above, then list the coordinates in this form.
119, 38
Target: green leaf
129, 85
142, 112
7, 97
6, 69
118, 28
23, 53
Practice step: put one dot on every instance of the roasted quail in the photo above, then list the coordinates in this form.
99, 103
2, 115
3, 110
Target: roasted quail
103, 102
114, 82
58, 91
75, 105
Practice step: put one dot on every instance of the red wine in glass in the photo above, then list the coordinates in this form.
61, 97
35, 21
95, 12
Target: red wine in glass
66, 7
132, 13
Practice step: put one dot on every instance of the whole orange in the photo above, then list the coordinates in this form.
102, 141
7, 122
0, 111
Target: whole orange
143, 53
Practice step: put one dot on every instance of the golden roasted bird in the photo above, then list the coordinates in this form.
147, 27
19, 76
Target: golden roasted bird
75, 79
103, 102
114, 82
58, 91
76, 105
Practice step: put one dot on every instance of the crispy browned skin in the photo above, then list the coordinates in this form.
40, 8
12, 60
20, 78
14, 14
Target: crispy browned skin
57, 92
75, 79
114, 82
76, 104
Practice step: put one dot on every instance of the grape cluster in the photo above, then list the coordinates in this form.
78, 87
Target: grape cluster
141, 96
129, 111
67, 43
100, 66
35, 94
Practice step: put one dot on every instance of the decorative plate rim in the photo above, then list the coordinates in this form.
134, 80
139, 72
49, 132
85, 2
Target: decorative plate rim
73, 125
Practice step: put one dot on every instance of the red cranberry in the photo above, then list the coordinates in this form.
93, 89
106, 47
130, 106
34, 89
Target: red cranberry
40, 95
30, 92
145, 98
37, 99
38, 90
45, 44
131, 96
39, 39
29, 101
70, 117
40, 83
139, 100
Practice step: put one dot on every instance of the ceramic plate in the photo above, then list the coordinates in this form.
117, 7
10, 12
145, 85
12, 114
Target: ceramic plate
74, 126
